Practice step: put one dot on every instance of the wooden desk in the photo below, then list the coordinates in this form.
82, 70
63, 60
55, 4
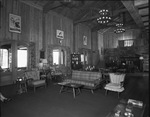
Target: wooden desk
137, 111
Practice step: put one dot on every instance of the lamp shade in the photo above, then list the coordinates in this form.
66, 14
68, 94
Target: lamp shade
44, 61
141, 58
40, 65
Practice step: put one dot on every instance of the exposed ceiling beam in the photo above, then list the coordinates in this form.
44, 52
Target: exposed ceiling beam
30, 3
144, 15
116, 14
143, 6
51, 5
133, 12
140, 2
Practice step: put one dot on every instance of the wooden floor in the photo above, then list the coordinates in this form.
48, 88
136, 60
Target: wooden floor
136, 87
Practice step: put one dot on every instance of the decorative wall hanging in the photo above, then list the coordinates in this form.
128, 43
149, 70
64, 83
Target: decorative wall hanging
84, 40
14, 23
60, 34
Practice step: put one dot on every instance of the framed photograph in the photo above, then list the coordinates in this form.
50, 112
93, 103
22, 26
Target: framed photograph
84, 40
14, 23
60, 34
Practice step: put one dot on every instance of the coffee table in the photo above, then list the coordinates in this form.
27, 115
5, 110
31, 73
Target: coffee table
66, 86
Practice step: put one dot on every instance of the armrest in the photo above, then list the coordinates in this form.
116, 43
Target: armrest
28, 81
122, 83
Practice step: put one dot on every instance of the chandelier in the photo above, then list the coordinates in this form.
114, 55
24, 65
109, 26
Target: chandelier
119, 29
104, 16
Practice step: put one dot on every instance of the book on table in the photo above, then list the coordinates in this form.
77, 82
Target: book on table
135, 103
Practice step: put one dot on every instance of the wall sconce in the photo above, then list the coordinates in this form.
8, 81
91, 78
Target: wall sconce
60, 41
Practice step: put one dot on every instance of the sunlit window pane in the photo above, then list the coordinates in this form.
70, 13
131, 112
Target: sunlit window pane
22, 58
82, 58
62, 57
4, 58
55, 57
128, 43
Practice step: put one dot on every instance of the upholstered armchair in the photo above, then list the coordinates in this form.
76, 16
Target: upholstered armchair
116, 83
33, 79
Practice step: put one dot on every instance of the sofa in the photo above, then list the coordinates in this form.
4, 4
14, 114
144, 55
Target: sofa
33, 79
88, 79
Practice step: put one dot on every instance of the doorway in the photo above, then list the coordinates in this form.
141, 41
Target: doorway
13, 60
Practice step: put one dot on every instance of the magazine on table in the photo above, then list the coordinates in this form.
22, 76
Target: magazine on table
135, 103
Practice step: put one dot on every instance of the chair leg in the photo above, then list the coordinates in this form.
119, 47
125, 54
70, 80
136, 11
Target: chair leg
92, 91
118, 95
34, 88
106, 92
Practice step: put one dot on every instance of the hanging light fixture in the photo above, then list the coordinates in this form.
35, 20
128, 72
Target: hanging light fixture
119, 28
104, 16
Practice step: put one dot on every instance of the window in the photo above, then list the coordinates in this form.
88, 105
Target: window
59, 57
86, 58
4, 58
55, 57
82, 58
128, 43
22, 58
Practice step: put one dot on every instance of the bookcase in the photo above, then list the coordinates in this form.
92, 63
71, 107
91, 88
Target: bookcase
76, 61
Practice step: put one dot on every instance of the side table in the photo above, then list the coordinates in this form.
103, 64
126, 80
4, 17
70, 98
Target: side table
21, 84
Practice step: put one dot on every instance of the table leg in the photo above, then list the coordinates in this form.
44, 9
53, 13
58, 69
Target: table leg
62, 87
79, 90
74, 93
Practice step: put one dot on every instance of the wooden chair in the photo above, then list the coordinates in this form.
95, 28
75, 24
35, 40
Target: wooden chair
33, 79
116, 83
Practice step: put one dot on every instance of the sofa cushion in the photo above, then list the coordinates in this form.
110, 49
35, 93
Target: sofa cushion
86, 78
34, 74
91, 83
95, 75
84, 75
75, 74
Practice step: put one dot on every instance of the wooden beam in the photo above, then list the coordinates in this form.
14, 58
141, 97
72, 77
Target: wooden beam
133, 12
30, 3
87, 19
143, 6
144, 15
51, 5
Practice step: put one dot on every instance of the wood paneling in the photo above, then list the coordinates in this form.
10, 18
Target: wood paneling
31, 23
80, 31
53, 22
111, 38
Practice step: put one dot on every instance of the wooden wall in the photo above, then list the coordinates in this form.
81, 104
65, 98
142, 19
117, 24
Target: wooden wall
94, 47
41, 28
80, 31
111, 38
53, 22
31, 23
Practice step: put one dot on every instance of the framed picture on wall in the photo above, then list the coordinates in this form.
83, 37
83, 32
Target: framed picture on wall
84, 40
14, 23
60, 34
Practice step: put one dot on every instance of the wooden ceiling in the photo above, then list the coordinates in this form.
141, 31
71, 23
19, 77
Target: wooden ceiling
86, 11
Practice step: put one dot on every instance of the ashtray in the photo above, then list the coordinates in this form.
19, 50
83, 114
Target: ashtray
128, 114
